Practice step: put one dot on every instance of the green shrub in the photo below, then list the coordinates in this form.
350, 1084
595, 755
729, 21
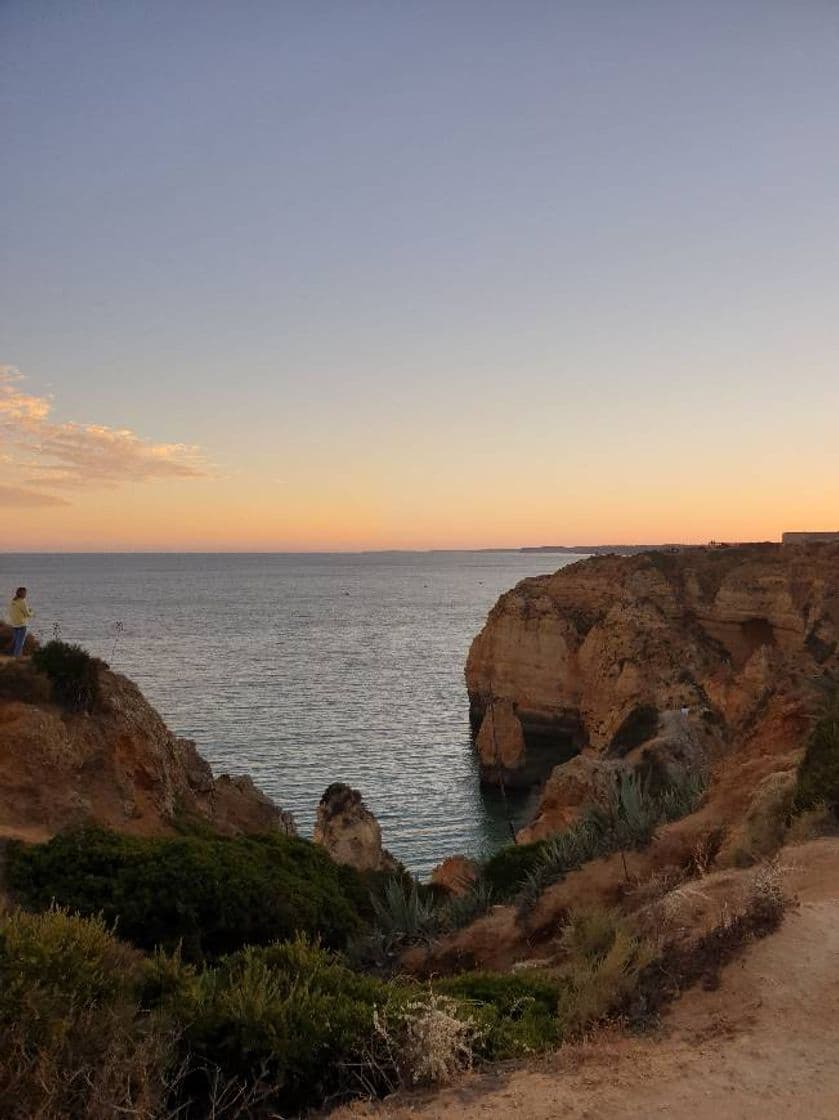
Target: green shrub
632, 813
65, 956
516, 1013
682, 798
72, 672
292, 1016
565, 852
210, 895
818, 772
73, 1039
459, 911
295, 1018
508, 869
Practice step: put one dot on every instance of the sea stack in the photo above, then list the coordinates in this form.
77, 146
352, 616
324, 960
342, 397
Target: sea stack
349, 832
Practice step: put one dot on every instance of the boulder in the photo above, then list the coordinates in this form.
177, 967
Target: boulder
569, 792
455, 875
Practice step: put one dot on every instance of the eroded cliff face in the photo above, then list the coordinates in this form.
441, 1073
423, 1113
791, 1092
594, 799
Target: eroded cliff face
119, 766
680, 656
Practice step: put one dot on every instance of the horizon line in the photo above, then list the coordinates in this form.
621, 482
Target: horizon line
572, 549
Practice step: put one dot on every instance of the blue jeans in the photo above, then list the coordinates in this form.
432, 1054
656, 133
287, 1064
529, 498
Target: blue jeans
18, 638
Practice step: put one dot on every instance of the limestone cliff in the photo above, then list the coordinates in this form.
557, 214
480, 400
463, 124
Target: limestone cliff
678, 656
119, 766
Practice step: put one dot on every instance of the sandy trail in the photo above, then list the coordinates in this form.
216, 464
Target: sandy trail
765, 1044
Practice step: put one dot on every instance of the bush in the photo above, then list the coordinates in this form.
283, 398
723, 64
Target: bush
292, 1016
509, 868
603, 967
567, 851
818, 772
210, 895
73, 674
459, 911
428, 1039
296, 1018
90, 1028
73, 1040
515, 1013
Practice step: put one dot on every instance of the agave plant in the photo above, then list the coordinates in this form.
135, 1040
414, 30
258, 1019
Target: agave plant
634, 812
683, 797
402, 914
465, 908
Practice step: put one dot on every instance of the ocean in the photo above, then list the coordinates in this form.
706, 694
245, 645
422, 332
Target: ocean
302, 670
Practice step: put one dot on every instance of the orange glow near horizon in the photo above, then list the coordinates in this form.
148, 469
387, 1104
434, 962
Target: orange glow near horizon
417, 485
207, 517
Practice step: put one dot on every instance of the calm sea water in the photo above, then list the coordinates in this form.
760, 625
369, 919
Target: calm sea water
301, 670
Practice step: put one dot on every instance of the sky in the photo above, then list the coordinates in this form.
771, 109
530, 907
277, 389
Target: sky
441, 274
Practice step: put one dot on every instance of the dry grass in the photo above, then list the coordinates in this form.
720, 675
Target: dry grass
428, 1040
604, 959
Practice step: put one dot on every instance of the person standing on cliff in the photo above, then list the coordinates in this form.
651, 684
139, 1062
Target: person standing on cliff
19, 615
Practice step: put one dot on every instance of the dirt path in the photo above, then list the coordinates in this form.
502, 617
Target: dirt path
764, 1046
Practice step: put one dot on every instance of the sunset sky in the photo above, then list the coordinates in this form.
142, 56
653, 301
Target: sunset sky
309, 275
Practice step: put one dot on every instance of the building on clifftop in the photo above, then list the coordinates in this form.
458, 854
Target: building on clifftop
810, 538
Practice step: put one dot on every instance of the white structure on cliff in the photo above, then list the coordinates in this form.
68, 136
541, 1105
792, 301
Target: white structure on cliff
809, 538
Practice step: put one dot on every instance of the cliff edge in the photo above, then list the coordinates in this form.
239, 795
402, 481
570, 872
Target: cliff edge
118, 765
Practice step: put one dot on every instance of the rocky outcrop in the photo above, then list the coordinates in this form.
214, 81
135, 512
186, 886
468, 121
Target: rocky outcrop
666, 660
455, 875
349, 832
570, 791
119, 766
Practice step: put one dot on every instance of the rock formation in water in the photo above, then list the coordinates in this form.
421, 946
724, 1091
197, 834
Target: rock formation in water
119, 766
349, 832
663, 660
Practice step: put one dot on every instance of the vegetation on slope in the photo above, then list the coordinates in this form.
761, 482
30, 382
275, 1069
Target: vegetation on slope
72, 673
208, 895
818, 772
92, 1027
228, 996
520, 872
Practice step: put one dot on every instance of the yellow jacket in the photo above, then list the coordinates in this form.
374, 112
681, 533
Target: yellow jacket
19, 612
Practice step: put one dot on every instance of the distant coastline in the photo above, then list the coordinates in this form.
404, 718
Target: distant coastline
572, 549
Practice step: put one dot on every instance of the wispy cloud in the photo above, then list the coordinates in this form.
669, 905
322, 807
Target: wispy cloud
20, 497
45, 454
